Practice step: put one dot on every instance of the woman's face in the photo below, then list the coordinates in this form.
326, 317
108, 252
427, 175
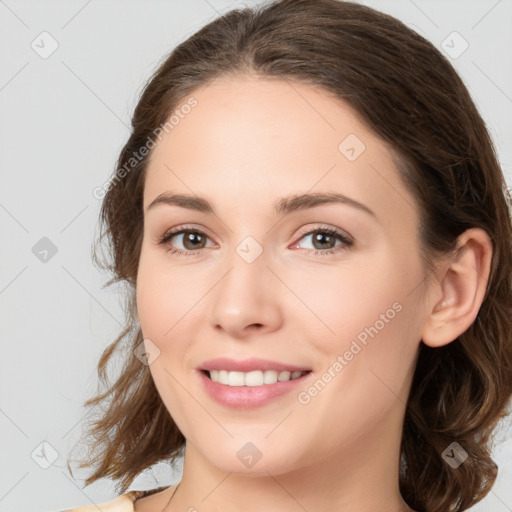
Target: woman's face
264, 281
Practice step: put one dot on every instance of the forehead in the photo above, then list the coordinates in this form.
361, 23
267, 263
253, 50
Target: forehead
251, 139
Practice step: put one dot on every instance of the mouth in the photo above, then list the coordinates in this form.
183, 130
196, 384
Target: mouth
250, 383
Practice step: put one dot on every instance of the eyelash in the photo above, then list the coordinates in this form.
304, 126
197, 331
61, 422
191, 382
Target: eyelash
346, 242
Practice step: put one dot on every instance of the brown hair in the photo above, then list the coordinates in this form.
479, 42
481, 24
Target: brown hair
405, 90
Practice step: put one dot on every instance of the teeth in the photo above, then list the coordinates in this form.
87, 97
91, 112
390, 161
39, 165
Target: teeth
254, 378
270, 376
284, 376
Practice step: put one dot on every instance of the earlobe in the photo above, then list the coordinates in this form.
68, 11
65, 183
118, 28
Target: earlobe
461, 283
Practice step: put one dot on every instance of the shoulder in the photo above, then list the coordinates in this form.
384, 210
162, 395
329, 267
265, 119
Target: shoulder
123, 503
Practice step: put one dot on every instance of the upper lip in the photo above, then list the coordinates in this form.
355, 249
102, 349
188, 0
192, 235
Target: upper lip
248, 365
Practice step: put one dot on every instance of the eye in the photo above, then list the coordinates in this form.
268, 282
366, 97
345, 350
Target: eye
324, 239
192, 240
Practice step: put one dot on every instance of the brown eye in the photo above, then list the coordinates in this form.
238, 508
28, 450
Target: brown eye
323, 240
189, 239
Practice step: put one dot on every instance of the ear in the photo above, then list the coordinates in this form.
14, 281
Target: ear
458, 292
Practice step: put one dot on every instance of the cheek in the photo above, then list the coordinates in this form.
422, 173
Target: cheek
163, 300
153, 305
367, 325
164, 296
356, 298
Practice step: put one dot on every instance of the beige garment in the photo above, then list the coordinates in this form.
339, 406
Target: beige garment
123, 503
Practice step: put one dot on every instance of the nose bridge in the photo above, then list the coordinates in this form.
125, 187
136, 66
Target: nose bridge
247, 279
246, 294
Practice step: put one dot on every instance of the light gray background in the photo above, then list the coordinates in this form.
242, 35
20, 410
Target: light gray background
64, 120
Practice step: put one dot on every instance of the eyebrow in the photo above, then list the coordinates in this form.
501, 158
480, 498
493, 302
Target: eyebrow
283, 205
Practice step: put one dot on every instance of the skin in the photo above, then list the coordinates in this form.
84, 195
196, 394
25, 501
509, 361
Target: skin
248, 142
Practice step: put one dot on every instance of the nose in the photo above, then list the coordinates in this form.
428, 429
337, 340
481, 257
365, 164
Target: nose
246, 299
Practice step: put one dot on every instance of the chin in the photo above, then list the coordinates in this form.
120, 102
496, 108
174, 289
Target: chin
256, 457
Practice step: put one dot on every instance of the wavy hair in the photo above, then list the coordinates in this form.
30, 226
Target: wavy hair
409, 94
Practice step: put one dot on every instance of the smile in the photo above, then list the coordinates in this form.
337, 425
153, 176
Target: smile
253, 378
250, 383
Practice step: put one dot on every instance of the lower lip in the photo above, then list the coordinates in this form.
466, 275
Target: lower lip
249, 397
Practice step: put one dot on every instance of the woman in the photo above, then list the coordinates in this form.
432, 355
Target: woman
315, 232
